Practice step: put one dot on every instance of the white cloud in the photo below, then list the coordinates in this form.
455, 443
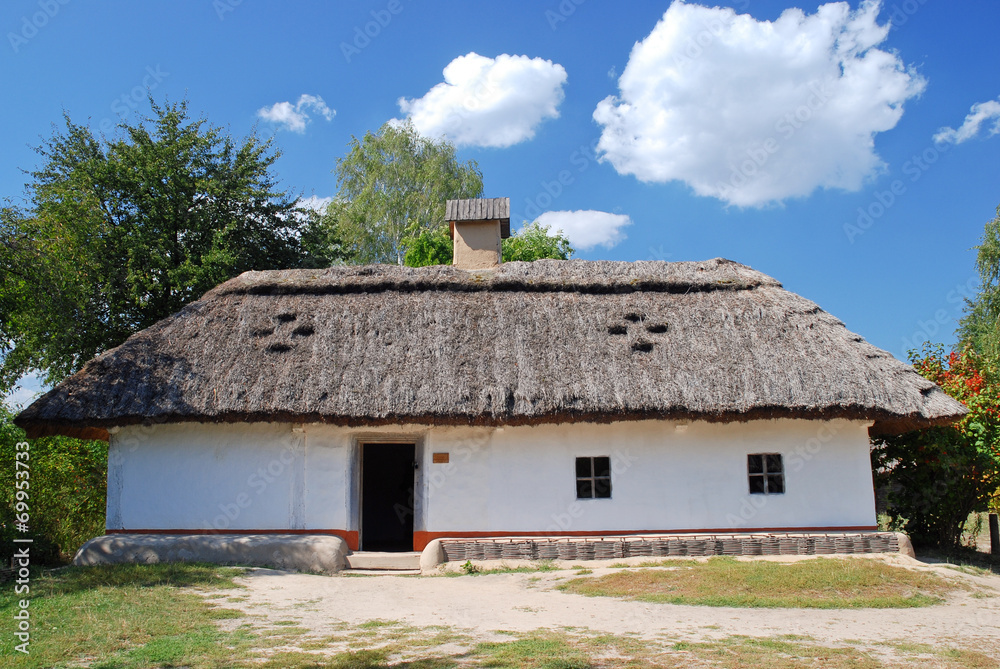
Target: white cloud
753, 112
489, 101
295, 117
315, 203
980, 113
586, 229
28, 388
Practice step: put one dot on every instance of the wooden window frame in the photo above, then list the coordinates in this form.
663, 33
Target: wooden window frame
767, 476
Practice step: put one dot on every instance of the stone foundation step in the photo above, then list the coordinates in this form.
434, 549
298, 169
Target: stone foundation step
380, 572
377, 561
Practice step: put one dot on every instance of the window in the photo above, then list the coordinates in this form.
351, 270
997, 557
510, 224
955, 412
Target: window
593, 477
767, 477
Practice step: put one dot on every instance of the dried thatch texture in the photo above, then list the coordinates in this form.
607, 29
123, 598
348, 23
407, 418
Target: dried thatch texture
524, 343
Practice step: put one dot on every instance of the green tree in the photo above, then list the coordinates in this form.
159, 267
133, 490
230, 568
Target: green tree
119, 233
431, 247
981, 325
938, 476
392, 186
533, 242
65, 494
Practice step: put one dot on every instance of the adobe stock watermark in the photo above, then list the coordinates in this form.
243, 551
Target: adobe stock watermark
901, 12
695, 45
484, 91
258, 482
550, 190
794, 461
223, 7
130, 100
21, 560
758, 155
363, 35
31, 25
439, 474
658, 253
943, 319
621, 461
562, 12
914, 168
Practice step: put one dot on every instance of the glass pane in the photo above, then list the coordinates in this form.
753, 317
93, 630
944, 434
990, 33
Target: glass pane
583, 467
776, 483
774, 463
602, 466
755, 464
584, 489
757, 484
602, 487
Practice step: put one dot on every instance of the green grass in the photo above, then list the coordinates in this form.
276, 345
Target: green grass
818, 583
157, 616
470, 569
552, 650
115, 617
532, 652
977, 562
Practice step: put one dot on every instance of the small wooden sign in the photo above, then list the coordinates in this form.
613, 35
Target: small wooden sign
440, 458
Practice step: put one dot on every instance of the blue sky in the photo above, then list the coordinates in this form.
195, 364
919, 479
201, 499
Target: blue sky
848, 150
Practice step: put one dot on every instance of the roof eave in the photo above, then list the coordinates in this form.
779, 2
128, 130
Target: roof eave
882, 424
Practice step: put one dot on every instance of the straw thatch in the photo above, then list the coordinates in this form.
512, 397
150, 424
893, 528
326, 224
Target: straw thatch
524, 343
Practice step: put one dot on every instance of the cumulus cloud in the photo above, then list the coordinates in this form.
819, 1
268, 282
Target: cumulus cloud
28, 388
295, 117
587, 228
753, 112
981, 112
489, 101
315, 203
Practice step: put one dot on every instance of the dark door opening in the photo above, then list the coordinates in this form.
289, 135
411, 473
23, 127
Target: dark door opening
387, 497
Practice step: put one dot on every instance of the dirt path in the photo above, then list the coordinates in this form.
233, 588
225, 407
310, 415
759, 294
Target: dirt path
523, 602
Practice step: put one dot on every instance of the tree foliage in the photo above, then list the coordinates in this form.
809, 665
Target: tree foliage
66, 492
119, 233
430, 247
981, 325
392, 186
938, 476
533, 242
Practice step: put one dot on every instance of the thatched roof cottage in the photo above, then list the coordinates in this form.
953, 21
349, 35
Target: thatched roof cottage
391, 406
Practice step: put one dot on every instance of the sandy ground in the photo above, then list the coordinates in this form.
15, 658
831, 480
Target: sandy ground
522, 602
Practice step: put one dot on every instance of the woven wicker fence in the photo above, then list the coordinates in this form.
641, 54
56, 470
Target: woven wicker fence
610, 548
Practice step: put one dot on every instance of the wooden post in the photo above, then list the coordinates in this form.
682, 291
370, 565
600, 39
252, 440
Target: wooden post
994, 535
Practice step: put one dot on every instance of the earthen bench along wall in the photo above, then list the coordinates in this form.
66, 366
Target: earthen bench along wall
609, 548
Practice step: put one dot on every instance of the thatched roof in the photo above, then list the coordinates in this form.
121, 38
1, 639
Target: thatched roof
524, 343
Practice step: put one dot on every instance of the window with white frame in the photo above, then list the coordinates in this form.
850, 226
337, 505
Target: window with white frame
766, 473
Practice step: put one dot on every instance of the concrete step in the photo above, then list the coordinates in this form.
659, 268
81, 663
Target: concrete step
380, 572
371, 560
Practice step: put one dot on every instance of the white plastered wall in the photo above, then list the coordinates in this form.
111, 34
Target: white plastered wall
266, 476
664, 477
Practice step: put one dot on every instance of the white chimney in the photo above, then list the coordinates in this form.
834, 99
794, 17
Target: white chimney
477, 226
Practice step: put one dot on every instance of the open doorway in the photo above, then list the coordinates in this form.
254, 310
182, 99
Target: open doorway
387, 479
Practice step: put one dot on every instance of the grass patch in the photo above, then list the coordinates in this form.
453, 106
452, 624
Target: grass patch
377, 623
963, 557
818, 583
531, 652
124, 616
470, 569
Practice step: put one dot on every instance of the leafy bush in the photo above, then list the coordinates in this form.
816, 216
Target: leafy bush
66, 493
939, 476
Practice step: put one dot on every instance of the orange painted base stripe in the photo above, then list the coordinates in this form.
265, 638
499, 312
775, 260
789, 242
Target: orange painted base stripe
349, 536
421, 539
